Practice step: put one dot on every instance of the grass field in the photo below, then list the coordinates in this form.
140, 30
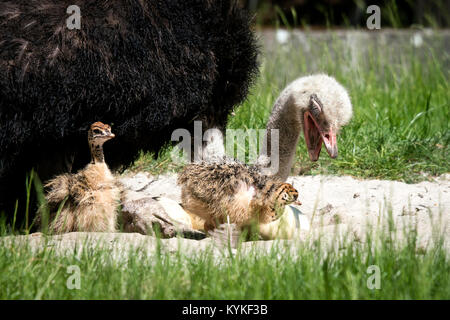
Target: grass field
400, 94
309, 272
400, 131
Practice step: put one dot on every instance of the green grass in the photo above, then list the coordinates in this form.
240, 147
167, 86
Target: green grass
401, 99
309, 272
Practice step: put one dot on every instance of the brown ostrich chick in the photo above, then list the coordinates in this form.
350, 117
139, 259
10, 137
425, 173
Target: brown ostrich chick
87, 200
215, 191
317, 105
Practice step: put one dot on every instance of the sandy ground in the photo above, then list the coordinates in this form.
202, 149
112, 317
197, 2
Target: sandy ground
349, 203
357, 203
333, 206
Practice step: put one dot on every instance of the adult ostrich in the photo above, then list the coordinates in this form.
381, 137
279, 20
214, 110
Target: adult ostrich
146, 67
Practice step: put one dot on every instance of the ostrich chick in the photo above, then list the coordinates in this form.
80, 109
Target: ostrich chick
87, 200
317, 105
214, 191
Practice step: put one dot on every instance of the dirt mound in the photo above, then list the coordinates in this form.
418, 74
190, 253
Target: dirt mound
335, 206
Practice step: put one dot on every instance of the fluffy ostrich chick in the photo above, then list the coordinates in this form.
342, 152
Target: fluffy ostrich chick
87, 200
215, 191
317, 105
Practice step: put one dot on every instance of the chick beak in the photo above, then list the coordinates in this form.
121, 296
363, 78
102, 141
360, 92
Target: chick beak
330, 141
315, 136
312, 135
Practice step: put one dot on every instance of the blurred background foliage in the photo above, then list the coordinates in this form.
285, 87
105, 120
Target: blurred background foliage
349, 13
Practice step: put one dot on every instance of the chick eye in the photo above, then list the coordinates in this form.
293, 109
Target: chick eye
96, 131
